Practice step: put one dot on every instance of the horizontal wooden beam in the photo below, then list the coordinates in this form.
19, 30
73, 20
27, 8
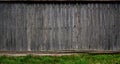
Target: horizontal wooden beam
62, 52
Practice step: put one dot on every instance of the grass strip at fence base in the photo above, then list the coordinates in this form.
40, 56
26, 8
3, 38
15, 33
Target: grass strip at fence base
81, 58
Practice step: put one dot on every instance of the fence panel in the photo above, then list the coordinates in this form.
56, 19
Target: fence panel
42, 27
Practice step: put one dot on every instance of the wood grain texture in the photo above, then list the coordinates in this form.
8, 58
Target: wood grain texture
43, 27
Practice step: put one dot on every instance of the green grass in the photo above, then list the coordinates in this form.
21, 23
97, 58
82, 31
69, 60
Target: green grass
72, 59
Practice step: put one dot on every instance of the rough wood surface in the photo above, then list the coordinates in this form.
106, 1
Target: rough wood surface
43, 27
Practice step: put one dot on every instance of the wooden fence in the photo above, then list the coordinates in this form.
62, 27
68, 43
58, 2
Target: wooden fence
43, 27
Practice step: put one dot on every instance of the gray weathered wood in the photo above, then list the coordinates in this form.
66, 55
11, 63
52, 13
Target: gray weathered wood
43, 27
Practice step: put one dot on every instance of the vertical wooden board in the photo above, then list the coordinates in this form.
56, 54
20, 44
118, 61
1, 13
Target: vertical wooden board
2, 9
88, 22
102, 29
70, 27
50, 26
11, 29
92, 34
7, 28
30, 19
40, 26
117, 28
78, 27
43, 12
111, 28
34, 27
83, 26
67, 32
73, 10
65, 27
106, 27
56, 26
59, 26
62, 24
